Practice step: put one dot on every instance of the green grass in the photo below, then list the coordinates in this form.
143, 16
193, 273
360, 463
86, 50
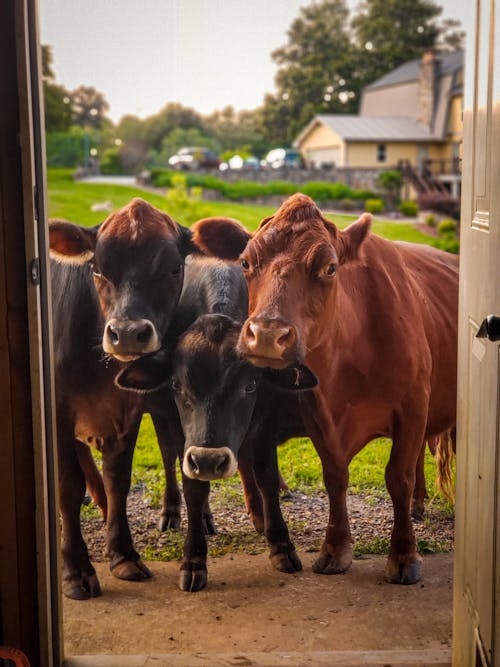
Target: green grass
72, 200
298, 460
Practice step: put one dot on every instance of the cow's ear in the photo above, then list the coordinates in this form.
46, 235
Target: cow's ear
147, 374
293, 378
186, 245
70, 243
220, 237
350, 239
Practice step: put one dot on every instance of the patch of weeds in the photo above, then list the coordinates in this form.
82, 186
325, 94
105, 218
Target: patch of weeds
425, 546
152, 484
169, 546
90, 511
225, 494
377, 545
243, 542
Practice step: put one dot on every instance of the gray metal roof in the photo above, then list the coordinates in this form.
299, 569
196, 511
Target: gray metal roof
450, 62
370, 128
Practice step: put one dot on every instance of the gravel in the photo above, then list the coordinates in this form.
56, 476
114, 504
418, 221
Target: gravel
306, 516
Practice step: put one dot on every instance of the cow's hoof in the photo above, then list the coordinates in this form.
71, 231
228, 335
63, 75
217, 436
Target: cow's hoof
82, 588
333, 563
192, 580
169, 521
418, 512
208, 524
403, 573
131, 571
258, 522
286, 562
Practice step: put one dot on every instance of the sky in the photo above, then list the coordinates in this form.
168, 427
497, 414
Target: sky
205, 54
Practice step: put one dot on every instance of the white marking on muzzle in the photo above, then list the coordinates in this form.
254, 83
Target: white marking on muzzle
207, 463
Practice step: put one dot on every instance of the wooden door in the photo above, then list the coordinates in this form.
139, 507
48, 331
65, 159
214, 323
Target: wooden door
477, 547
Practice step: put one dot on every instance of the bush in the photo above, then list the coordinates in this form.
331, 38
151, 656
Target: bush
409, 208
430, 220
374, 205
447, 227
110, 162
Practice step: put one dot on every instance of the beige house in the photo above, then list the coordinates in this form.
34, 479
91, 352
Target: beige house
411, 115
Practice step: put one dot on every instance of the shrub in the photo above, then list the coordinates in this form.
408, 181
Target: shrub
409, 208
446, 227
320, 191
430, 220
374, 205
110, 162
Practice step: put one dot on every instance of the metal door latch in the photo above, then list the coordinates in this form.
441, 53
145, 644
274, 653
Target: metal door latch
490, 328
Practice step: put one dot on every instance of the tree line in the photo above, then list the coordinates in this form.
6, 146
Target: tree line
329, 57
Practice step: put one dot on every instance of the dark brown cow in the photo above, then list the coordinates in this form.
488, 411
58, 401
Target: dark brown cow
376, 321
115, 288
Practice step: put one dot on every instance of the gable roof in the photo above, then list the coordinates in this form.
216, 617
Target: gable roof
450, 63
369, 128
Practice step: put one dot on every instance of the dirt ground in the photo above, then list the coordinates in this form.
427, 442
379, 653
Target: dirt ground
249, 607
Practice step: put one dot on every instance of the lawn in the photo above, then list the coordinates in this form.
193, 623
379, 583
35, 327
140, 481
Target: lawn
298, 461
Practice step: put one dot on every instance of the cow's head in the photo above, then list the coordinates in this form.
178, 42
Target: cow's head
215, 390
291, 265
136, 257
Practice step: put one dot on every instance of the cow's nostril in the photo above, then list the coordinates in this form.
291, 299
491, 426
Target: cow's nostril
222, 464
113, 334
285, 335
145, 333
251, 332
193, 466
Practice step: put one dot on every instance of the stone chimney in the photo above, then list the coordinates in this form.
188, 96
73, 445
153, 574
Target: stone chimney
428, 79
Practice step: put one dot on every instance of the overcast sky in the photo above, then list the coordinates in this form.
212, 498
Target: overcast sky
205, 54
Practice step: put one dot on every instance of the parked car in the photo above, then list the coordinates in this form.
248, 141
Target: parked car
194, 158
278, 158
238, 162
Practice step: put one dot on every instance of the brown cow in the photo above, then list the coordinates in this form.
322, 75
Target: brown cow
376, 321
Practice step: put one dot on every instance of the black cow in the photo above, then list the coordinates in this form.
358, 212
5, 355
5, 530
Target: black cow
231, 412
115, 288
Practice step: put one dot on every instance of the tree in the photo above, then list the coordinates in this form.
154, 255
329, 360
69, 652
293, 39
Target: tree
172, 116
57, 100
389, 33
316, 71
89, 107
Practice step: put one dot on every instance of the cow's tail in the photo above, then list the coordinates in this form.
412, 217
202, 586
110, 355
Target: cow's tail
444, 451
93, 478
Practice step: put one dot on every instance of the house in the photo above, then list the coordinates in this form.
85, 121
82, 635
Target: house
411, 117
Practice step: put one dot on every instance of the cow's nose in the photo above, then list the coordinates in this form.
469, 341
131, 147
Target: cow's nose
267, 339
206, 463
124, 338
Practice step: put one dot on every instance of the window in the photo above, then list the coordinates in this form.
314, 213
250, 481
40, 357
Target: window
381, 153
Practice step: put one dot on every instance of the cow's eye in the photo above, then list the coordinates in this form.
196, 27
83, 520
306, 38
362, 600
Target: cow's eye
176, 271
331, 269
245, 264
175, 385
250, 387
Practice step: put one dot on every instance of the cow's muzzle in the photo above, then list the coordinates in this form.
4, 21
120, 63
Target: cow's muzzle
129, 339
206, 463
269, 343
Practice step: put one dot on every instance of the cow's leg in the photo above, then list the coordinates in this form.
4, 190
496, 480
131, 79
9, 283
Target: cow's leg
170, 515
336, 551
283, 555
117, 466
404, 563
193, 576
420, 492
253, 498
79, 578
